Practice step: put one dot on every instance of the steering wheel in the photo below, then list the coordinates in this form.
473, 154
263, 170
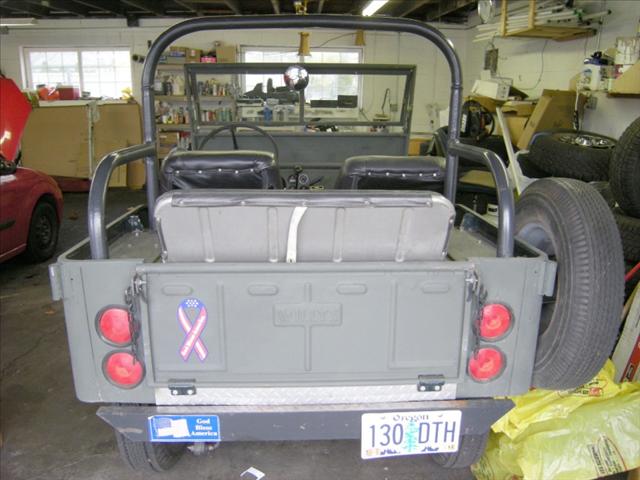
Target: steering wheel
232, 127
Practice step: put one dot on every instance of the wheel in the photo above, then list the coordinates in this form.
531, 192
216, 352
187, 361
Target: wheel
629, 228
43, 232
148, 456
470, 450
571, 222
604, 189
624, 170
529, 169
580, 155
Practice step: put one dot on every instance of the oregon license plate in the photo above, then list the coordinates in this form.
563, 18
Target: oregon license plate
410, 433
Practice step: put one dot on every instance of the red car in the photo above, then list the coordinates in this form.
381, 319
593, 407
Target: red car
30, 201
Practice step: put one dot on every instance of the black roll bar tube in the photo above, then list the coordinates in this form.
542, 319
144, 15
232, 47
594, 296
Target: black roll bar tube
98, 193
384, 24
506, 202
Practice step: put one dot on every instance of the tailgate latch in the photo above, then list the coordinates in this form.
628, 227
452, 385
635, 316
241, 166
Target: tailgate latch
430, 383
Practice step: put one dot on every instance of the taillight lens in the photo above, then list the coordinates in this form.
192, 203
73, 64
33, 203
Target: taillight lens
486, 364
123, 369
114, 325
495, 321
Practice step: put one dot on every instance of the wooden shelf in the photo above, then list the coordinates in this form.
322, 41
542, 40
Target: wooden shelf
183, 98
171, 98
171, 66
558, 33
173, 126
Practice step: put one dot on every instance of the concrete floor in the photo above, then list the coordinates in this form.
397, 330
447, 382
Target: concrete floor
48, 434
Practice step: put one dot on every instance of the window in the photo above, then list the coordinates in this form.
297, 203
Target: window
101, 72
321, 87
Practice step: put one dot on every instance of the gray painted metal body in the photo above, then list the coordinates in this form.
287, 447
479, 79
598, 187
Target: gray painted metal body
368, 321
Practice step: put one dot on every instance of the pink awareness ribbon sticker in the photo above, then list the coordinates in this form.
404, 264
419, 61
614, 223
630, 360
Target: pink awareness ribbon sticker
192, 330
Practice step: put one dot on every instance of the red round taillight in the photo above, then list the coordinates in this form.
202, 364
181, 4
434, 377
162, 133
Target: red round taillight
486, 364
114, 326
123, 369
495, 320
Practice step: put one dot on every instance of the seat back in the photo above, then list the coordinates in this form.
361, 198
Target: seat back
303, 226
392, 173
219, 169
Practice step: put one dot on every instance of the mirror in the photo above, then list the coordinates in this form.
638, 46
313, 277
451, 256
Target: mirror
296, 77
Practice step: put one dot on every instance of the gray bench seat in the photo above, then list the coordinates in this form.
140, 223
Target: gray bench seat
303, 226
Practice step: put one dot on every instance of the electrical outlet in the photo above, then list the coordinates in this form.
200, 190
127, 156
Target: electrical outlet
393, 107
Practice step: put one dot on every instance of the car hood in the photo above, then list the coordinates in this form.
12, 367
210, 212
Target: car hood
14, 112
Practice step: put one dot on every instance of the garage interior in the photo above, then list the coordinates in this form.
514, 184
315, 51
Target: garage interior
556, 80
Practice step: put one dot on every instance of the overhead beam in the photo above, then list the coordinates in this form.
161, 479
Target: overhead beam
104, 6
357, 6
405, 8
147, 5
64, 6
187, 7
234, 5
25, 9
276, 6
444, 8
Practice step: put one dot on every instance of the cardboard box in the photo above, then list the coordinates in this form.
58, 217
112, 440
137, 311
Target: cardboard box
626, 355
193, 55
516, 124
628, 83
414, 144
554, 110
167, 141
489, 103
518, 107
226, 54
70, 140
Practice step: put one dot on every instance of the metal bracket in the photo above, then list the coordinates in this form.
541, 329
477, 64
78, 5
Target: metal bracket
179, 389
430, 383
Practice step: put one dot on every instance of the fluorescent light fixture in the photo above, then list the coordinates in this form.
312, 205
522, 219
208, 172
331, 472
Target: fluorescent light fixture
17, 22
373, 6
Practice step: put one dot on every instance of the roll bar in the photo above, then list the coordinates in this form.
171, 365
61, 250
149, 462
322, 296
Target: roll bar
97, 229
98, 193
383, 24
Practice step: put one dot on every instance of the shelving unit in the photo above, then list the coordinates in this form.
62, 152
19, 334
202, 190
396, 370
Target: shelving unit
558, 33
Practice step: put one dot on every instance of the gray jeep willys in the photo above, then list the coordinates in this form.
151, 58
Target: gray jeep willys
230, 309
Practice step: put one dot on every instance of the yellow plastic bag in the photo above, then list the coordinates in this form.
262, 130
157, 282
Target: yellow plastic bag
584, 433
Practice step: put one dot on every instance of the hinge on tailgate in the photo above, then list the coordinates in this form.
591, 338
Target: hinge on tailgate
430, 383
130, 295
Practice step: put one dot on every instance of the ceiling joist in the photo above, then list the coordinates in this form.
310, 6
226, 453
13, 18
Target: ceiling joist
133, 10
147, 5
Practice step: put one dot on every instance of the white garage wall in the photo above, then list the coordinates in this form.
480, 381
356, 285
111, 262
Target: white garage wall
433, 80
521, 60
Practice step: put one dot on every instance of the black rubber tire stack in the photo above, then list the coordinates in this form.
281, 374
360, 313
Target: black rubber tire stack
556, 155
624, 173
571, 222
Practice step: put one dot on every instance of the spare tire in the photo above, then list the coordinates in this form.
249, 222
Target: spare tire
629, 228
581, 155
571, 222
625, 170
